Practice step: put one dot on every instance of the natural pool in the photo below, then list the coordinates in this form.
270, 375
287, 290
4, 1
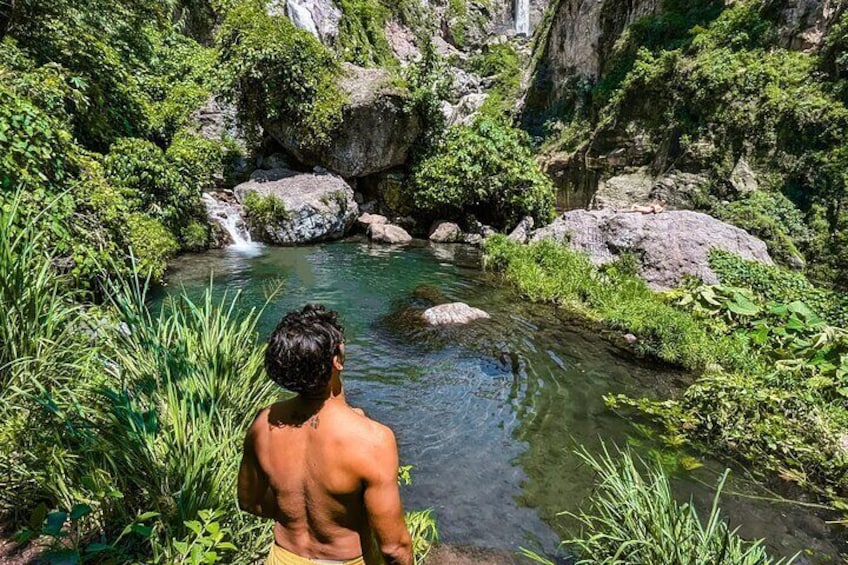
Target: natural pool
489, 414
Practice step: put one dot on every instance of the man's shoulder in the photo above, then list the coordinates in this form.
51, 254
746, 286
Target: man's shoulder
370, 432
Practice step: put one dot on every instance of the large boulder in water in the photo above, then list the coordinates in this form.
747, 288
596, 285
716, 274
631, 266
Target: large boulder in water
453, 314
668, 246
378, 127
317, 206
388, 233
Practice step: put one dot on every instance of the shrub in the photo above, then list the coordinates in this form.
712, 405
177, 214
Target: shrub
634, 518
151, 243
265, 211
485, 168
277, 72
773, 218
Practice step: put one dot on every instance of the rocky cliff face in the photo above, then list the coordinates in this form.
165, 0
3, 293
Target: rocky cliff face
581, 47
579, 41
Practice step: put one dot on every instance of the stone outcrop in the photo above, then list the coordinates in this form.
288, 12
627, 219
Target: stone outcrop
579, 43
446, 232
388, 233
521, 233
453, 314
667, 246
804, 23
375, 134
318, 206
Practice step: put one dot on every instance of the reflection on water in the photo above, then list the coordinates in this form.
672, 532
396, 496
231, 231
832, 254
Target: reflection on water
488, 414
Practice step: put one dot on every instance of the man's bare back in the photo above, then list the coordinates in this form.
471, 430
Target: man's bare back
327, 475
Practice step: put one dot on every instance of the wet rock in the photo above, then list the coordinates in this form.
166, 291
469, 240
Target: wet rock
376, 132
452, 314
667, 246
318, 206
473, 239
445, 232
521, 233
388, 233
444, 554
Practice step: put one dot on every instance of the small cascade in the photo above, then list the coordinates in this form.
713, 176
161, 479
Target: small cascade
301, 17
225, 211
522, 17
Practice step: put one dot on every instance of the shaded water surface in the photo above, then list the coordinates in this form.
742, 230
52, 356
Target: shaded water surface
489, 414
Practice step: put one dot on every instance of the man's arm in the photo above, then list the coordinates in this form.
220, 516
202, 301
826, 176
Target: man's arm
254, 493
383, 505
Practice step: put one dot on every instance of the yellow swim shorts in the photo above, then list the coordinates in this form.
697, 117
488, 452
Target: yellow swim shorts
281, 556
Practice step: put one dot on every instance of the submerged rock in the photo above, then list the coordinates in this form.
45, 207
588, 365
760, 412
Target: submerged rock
388, 233
667, 246
377, 129
318, 206
453, 313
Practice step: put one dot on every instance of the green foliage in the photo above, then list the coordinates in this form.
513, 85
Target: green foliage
773, 218
502, 63
710, 80
634, 518
362, 39
151, 243
424, 532
549, 272
485, 168
429, 83
775, 285
265, 210
278, 72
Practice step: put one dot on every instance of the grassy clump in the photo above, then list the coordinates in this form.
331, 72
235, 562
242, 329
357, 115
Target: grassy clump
362, 39
550, 272
265, 212
633, 518
487, 169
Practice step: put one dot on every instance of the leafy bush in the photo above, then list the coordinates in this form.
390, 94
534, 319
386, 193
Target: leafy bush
634, 518
485, 168
151, 244
276, 71
773, 218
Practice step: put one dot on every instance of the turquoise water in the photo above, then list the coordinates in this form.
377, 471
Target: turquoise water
488, 414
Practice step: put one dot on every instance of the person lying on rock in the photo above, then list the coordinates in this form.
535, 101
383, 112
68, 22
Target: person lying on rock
323, 471
655, 207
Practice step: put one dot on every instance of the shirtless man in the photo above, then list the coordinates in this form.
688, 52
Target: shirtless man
324, 472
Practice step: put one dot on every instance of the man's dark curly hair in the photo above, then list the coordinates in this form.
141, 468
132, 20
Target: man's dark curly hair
300, 351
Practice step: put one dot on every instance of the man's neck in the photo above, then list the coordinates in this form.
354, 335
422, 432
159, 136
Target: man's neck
334, 395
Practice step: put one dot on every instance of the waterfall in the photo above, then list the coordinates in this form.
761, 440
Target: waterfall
522, 17
301, 17
228, 213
